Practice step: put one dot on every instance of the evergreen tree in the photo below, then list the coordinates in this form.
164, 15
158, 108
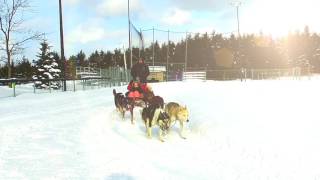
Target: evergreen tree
24, 68
71, 67
94, 59
47, 68
81, 59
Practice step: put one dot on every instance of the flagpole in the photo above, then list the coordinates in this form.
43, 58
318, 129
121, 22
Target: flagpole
125, 62
140, 45
129, 23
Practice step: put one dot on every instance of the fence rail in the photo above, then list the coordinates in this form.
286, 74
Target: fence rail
257, 74
199, 75
14, 87
116, 77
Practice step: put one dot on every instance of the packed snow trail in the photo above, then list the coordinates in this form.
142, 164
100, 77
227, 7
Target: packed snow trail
251, 130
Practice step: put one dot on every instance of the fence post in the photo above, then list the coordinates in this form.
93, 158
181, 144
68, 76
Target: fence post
49, 86
74, 86
293, 73
309, 72
14, 88
245, 74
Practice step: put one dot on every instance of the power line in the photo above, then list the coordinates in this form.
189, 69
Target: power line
183, 32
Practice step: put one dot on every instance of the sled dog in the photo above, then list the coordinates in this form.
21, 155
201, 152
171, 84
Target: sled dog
152, 116
156, 101
177, 113
121, 102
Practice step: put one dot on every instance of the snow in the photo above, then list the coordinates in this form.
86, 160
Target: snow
48, 75
54, 70
238, 130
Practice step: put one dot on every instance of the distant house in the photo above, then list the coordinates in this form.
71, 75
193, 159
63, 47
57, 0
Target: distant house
88, 72
157, 73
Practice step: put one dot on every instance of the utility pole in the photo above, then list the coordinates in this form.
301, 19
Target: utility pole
237, 4
186, 54
153, 46
62, 47
140, 45
168, 49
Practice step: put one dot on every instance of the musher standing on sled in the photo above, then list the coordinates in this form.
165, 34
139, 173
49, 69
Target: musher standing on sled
138, 86
140, 70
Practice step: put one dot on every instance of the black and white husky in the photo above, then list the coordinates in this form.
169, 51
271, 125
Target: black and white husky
155, 115
122, 103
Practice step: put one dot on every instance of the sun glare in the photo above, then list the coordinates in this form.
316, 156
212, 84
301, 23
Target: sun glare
277, 18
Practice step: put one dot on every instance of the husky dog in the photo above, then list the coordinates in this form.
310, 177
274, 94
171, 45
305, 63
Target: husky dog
156, 101
153, 115
177, 113
122, 104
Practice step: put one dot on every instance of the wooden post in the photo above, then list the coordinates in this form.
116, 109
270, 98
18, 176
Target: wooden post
62, 45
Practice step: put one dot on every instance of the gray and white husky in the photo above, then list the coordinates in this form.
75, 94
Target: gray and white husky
179, 113
155, 116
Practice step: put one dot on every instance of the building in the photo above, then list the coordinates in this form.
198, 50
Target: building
157, 73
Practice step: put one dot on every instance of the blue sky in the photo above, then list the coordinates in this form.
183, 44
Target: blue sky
103, 25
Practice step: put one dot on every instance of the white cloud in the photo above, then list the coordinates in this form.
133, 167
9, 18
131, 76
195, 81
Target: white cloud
176, 16
200, 4
83, 34
118, 7
92, 32
71, 2
91, 37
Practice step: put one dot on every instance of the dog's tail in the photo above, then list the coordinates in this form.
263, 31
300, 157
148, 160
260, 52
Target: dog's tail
114, 92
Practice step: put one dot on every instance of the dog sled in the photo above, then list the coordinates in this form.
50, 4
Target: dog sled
137, 96
153, 112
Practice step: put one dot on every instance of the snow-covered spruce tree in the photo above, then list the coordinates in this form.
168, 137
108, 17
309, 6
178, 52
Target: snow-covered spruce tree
47, 68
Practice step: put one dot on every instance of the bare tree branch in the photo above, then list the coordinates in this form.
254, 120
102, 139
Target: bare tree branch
11, 20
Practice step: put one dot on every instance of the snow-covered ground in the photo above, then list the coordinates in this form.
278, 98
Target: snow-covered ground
238, 130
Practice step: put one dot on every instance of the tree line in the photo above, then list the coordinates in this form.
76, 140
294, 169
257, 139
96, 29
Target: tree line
211, 51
